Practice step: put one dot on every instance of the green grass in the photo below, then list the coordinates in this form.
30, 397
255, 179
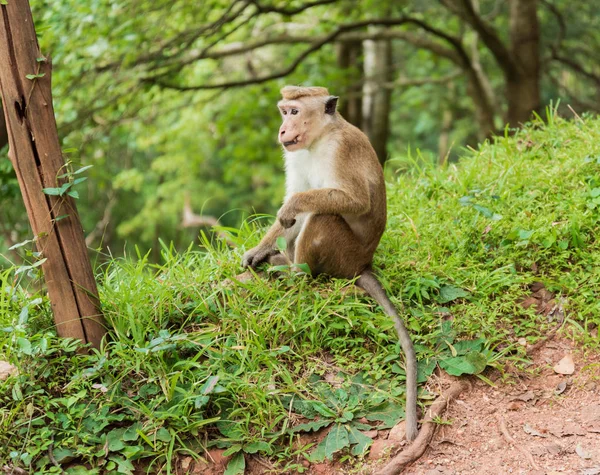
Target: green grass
191, 363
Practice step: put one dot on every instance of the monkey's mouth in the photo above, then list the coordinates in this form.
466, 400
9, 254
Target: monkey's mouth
290, 142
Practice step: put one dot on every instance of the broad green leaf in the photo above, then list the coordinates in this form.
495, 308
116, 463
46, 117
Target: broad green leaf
201, 401
259, 446
360, 425
281, 243
348, 416
163, 435
24, 315
63, 454
39, 263
114, 440
237, 465
341, 395
471, 363
318, 454
77, 469
65, 187
24, 345
52, 191
131, 433
425, 369
82, 169
336, 440
323, 409
310, 426
524, 234
465, 346
124, 466
234, 449
360, 441
281, 268
388, 413
132, 452
230, 429
21, 244
483, 210
303, 268
448, 293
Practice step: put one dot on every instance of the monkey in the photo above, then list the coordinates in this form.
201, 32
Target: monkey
334, 211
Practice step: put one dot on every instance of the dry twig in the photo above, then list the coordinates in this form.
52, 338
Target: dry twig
512, 442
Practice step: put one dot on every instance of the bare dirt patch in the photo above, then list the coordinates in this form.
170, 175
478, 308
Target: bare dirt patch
552, 421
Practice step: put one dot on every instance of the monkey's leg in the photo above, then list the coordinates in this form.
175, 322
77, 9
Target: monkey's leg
327, 244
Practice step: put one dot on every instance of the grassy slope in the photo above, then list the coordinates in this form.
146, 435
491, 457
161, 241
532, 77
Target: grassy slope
188, 355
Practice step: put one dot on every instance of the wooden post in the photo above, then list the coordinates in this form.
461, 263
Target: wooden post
37, 159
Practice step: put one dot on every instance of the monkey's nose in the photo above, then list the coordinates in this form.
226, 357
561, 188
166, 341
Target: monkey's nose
282, 132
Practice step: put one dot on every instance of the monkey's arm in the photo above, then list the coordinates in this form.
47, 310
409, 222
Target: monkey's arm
325, 201
259, 254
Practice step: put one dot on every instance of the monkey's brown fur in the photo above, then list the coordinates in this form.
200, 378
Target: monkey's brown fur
290, 93
334, 213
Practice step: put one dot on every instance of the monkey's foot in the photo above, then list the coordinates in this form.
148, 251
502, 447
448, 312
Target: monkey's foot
240, 279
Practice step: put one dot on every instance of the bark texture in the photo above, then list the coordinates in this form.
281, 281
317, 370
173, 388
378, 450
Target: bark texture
376, 97
3, 130
34, 150
349, 54
523, 84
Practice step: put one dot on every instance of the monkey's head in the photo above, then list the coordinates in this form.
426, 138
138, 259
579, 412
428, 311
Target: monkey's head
307, 112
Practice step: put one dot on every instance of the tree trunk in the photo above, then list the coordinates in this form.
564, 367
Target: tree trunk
523, 86
37, 159
484, 110
349, 54
376, 97
481, 89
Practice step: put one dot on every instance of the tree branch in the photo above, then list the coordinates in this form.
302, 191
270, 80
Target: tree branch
418, 40
573, 98
562, 24
575, 66
410, 82
460, 56
186, 37
289, 11
488, 35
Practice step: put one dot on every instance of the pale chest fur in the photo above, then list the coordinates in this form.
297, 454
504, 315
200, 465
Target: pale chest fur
310, 169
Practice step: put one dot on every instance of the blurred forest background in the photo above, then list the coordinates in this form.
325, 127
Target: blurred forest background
174, 102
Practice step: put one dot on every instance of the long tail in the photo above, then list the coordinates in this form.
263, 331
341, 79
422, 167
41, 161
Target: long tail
371, 285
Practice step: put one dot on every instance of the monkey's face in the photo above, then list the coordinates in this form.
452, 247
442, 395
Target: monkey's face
304, 121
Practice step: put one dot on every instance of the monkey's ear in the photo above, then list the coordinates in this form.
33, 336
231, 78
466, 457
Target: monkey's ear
331, 104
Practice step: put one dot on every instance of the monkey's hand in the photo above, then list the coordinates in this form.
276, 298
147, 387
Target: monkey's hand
256, 256
287, 215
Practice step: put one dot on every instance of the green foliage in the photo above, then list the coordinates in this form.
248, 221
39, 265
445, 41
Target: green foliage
152, 146
192, 363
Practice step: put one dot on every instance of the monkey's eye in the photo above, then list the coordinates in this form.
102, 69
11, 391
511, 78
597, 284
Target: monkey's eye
284, 112
294, 111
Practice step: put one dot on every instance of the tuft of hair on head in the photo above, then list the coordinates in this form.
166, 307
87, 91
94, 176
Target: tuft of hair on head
291, 93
